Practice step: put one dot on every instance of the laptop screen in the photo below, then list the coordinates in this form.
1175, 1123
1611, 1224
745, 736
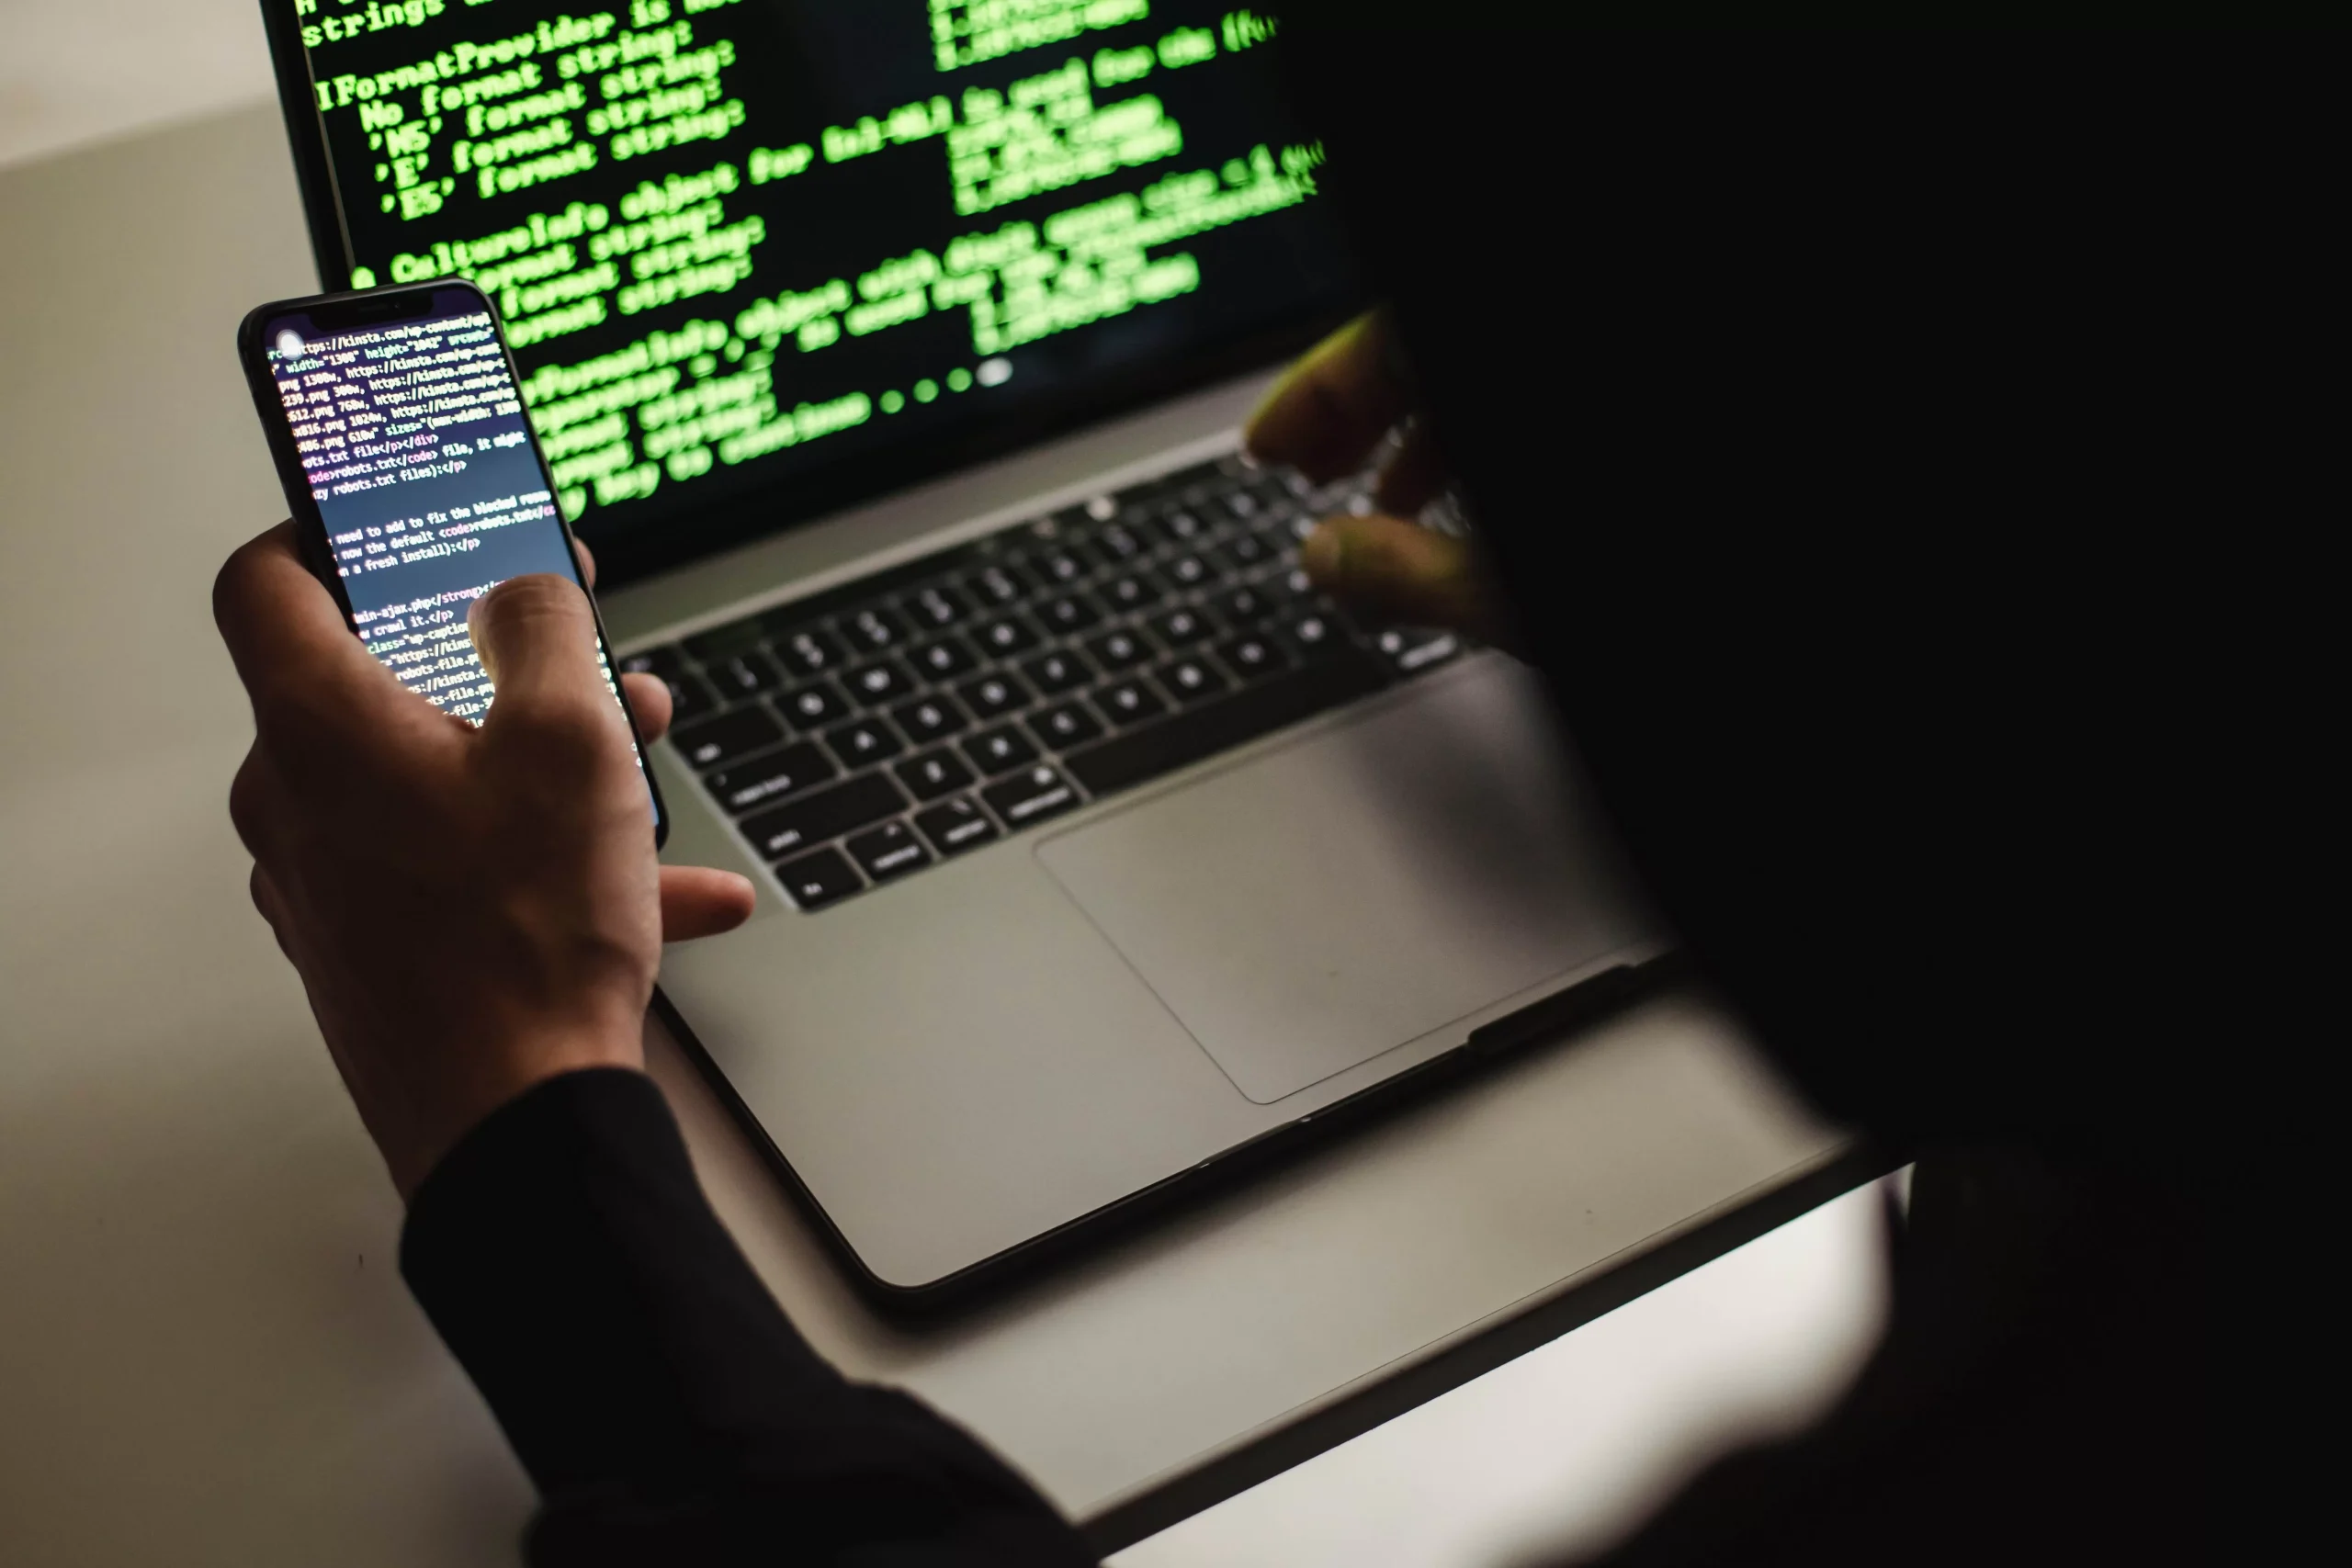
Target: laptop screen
761, 257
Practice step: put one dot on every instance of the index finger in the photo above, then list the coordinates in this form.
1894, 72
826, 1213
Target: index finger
283, 628
1335, 404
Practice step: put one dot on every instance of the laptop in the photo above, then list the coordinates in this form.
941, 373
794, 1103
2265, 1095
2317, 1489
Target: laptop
893, 357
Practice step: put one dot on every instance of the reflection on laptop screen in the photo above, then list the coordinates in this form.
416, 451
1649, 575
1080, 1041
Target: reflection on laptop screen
737, 240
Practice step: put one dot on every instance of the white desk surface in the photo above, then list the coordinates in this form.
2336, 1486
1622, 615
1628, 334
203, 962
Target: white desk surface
205, 1355
1557, 1455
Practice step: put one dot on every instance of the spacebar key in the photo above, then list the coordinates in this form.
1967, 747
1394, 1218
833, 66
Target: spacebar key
1220, 726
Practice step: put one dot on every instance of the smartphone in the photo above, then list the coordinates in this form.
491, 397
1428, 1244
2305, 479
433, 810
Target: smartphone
395, 420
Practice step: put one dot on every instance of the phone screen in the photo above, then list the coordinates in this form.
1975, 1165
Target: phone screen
411, 435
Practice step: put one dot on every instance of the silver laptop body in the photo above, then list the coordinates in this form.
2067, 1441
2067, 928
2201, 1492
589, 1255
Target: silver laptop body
957, 1062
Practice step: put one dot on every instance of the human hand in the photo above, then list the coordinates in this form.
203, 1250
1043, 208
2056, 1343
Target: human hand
471, 911
1338, 403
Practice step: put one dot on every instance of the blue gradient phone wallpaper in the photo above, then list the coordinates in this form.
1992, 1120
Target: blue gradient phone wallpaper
411, 437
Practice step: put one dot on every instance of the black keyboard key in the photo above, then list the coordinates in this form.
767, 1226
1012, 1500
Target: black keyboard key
1129, 702
809, 652
937, 607
1059, 670
1293, 584
772, 777
1276, 507
863, 742
927, 719
725, 642
665, 662
1239, 504
690, 698
1005, 635
711, 741
1187, 570
1184, 626
1244, 551
955, 827
1312, 635
934, 774
994, 751
1118, 649
884, 681
1255, 710
826, 814
1417, 647
815, 881
744, 675
1001, 584
1281, 544
1192, 679
1059, 728
1062, 565
891, 850
1245, 604
1115, 542
874, 630
1252, 656
1136, 591
943, 658
1069, 615
1030, 797
1180, 524
993, 696
813, 705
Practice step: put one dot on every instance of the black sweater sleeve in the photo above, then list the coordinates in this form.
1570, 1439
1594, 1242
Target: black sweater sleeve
661, 1403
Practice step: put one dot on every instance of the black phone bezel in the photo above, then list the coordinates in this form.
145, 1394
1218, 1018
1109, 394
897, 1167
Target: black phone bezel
362, 308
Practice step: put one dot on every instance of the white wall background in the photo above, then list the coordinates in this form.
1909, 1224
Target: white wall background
74, 71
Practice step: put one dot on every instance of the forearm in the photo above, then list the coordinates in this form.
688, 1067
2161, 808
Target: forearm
658, 1397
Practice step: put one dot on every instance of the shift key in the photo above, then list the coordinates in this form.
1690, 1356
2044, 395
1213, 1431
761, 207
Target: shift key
828, 813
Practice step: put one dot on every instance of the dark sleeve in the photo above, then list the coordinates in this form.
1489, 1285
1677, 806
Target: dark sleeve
2044, 1393
661, 1403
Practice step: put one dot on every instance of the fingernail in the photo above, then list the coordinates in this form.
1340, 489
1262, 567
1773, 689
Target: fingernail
1324, 554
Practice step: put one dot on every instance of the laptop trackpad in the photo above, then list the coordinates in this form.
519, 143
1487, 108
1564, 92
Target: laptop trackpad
1316, 907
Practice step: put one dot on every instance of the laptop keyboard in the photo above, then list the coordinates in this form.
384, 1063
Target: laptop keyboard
880, 727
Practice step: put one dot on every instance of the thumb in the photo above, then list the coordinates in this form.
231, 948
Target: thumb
1391, 571
538, 640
